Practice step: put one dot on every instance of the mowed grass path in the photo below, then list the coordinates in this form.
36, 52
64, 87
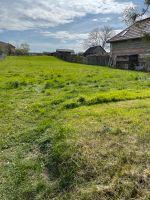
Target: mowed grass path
71, 131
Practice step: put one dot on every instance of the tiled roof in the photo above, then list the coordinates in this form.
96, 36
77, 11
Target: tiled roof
136, 30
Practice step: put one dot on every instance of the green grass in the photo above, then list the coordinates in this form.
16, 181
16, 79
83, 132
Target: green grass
71, 131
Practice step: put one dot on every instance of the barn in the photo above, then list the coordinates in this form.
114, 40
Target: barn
64, 53
96, 50
6, 48
130, 49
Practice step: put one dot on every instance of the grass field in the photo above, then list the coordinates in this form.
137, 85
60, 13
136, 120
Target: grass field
73, 132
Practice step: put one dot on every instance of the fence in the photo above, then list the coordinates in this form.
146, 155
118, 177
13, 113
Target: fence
101, 60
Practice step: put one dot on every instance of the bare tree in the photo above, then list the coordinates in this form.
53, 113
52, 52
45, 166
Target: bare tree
132, 14
23, 49
98, 37
93, 39
105, 34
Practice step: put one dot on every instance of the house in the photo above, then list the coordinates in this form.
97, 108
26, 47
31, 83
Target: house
96, 50
97, 56
7, 48
130, 49
68, 51
64, 53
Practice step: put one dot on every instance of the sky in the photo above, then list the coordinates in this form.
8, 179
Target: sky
50, 24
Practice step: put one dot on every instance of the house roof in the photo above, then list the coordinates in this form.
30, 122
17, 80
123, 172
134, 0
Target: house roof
137, 30
6, 44
91, 49
65, 50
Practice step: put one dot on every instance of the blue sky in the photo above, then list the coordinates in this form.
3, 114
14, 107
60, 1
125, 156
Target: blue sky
49, 24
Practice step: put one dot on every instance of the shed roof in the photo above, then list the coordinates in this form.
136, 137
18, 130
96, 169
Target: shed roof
6, 44
65, 50
137, 30
91, 49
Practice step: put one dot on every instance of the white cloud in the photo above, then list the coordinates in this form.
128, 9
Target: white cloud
118, 31
64, 35
143, 17
105, 19
70, 40
95, 20
50, 47
29, 14
102, 19
120, 18
66, 42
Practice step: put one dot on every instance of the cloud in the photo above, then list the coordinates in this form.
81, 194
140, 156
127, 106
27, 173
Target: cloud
105, 19
64, 35
50, 47
95, 20
143, 17
102, 19
32, 14
118, 31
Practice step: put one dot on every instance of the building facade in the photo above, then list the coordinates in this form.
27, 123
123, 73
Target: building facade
130, 49
6, 48
64, 53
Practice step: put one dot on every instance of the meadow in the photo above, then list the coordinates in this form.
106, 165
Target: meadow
73, 132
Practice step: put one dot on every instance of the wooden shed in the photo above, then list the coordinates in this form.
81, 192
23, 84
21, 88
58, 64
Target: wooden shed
130, 49
64, 53
96, 50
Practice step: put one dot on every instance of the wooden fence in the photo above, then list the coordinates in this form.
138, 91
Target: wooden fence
101, 60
